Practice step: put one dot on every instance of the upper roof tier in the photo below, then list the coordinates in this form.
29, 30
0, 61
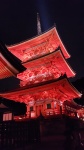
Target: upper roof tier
55, 90
51, 66
38, 46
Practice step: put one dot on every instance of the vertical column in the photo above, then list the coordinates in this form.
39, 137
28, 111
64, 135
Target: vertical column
52, 107
60, 109
63, 109
57, 109
44, 108
28, 110
34, 110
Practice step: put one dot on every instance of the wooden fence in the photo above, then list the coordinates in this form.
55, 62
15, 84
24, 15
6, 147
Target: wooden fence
14, 134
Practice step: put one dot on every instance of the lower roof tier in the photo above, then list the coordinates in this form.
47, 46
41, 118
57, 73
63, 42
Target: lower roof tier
51, 66
73, 105
61, 90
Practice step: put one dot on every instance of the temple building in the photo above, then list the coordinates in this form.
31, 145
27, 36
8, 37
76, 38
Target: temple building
9, 64
42, 68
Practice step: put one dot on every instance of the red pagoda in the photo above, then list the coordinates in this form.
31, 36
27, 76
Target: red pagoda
42, 68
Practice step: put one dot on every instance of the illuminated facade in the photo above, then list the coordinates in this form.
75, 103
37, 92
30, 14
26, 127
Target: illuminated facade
44, 73
46, 98
39, 46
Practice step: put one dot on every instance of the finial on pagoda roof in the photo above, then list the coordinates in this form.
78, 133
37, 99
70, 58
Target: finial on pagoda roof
38, 25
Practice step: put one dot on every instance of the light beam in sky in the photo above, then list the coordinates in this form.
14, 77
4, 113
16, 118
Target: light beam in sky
42, 7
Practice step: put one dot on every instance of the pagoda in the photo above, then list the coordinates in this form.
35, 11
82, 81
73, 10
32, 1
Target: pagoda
42, 68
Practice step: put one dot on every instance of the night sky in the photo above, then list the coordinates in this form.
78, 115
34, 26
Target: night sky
18, 22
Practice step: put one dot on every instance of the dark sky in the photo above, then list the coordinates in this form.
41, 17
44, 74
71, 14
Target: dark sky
18, 22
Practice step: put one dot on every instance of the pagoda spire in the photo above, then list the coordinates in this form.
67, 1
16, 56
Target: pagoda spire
38, 25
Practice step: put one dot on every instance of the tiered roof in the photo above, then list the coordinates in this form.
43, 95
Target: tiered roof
44, 60
51, 66
9, 65
55, 90
6, 69
38, 46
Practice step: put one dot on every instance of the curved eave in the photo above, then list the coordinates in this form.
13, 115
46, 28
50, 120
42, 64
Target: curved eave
50, 39
9, 64
64, 51
73, 105
61, 63
78, 105
51, 66
6, 69
61, 90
